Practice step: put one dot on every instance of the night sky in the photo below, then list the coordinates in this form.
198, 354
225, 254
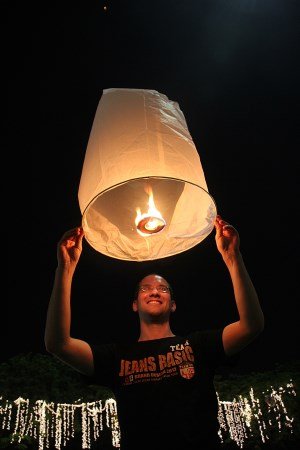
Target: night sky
233, 67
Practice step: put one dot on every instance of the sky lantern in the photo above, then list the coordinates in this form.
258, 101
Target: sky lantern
142, 191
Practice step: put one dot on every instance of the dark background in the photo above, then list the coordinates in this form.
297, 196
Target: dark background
233, 67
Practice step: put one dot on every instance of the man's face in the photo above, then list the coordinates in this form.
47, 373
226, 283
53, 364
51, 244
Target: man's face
154, 298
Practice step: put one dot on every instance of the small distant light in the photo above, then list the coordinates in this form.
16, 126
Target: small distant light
105, 8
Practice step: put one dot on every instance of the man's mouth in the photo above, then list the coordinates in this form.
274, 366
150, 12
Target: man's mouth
154, 302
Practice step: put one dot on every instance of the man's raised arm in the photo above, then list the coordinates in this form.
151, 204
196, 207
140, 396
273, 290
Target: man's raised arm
251, 319
74, 352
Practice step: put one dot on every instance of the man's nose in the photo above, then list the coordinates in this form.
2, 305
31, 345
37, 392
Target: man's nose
154, 292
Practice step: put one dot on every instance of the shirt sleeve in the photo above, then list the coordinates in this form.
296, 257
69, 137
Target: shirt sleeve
104, 356
210, 345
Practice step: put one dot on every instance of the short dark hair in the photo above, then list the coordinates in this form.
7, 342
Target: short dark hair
137, 287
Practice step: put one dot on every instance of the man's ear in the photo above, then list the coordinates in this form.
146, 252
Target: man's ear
173, 306
134, 306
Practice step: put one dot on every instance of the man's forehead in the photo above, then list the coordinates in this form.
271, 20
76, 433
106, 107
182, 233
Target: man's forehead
149, 279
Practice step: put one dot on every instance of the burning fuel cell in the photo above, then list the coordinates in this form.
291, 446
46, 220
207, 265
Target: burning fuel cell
152, 221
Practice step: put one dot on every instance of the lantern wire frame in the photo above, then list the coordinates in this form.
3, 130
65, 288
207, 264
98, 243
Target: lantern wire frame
124, 242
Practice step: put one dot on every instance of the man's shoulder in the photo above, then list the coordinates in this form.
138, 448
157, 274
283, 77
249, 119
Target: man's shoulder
206, 338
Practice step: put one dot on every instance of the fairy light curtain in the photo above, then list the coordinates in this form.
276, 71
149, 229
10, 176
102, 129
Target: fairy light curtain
142, 191
52, 425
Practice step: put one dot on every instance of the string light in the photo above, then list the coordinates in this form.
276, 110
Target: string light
239, 417
46, 422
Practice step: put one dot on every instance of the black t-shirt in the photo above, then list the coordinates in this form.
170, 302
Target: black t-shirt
164, 390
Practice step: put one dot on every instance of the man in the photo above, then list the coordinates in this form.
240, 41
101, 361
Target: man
163, 383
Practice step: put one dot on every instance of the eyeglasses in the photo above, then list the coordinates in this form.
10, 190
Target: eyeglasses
148, 288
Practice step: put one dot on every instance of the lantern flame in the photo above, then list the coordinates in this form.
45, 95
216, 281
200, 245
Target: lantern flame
152, 221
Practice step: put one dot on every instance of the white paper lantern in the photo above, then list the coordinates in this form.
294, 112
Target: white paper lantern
142, 192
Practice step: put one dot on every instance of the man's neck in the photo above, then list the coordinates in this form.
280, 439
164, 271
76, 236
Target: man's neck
155, 331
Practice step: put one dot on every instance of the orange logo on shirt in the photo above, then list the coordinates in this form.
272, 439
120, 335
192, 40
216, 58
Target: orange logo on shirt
187, 370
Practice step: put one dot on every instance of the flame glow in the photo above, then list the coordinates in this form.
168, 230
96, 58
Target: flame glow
152, 221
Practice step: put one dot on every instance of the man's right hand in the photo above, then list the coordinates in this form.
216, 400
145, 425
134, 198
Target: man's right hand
69, 248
